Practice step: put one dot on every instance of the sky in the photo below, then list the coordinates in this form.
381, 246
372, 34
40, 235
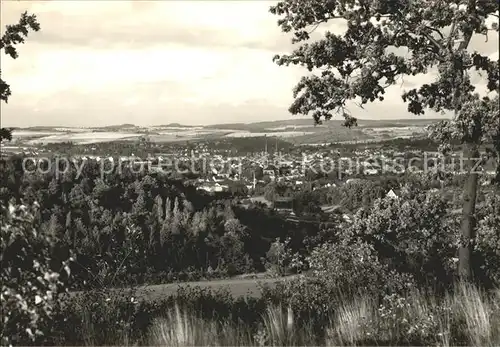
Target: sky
99, 62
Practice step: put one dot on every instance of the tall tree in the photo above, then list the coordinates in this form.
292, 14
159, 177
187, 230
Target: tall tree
14, 34
361, 63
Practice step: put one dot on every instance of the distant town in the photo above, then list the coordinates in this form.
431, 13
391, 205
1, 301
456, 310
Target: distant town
248, 166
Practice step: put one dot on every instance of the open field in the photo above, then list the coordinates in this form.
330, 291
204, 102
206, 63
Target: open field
297, 131
238, 287
84, 137
283, 134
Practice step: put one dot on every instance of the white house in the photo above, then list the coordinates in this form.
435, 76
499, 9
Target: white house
391, 194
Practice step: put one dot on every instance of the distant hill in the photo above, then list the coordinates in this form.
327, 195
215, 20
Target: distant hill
372, 123
117, 127
124, 125
174, 125
297, 131
396, 122
256, 126
39, 128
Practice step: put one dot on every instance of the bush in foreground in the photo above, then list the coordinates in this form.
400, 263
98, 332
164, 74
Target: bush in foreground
204, 317
30, 276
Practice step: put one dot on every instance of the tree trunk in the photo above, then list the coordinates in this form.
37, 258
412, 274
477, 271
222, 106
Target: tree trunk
470, 187
468, 216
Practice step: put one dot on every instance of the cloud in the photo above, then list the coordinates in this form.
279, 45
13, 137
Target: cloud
134, 24
215, 75
152, 62
143, 109
102, 58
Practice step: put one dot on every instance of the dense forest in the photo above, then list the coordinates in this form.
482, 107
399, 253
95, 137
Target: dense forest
146, 226
135, 227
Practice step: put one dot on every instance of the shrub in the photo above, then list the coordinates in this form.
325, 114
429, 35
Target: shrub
122, 316
296, 313
346, 267
30, 276
466, 317
487, 246
279, 258
413, 234
310, 299
99, 317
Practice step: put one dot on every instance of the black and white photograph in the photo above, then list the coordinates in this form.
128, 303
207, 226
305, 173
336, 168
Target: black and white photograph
249, 173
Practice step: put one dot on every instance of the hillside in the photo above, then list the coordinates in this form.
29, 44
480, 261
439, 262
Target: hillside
296, 131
